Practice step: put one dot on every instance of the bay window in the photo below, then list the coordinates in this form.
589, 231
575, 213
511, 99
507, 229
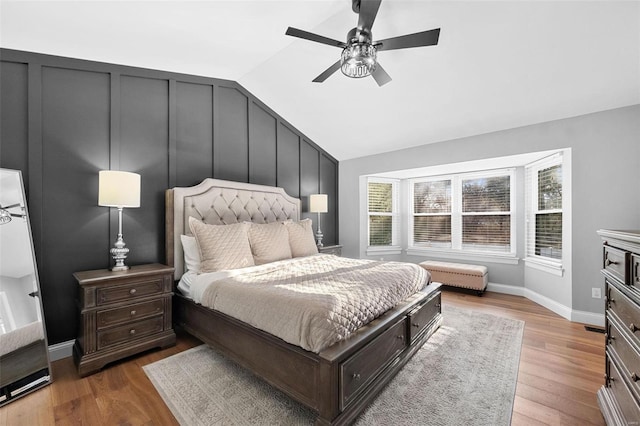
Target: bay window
463, 212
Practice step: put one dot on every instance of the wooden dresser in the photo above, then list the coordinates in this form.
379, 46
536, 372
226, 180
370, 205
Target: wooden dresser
122, 313
619, 398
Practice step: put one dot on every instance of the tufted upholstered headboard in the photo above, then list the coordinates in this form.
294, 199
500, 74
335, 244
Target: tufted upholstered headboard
221, 202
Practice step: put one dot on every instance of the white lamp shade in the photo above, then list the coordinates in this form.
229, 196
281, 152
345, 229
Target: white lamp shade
318, 203
118, 189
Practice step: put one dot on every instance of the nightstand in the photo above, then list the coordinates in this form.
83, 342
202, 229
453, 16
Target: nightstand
122, 313
337, 250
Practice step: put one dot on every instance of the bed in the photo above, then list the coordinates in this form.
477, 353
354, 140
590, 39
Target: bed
22, 353
337, 381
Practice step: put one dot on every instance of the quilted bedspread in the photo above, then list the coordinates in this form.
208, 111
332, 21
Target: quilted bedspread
313, 301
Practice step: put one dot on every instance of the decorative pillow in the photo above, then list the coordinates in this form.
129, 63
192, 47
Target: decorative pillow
222, 246
269, 242
191, 253
301, 238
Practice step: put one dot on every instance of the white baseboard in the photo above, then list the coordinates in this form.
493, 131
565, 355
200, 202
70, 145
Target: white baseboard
560, 309
588, 318
505, 289
61, 350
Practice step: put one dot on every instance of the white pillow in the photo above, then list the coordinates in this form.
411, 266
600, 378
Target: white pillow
269, 242
222, 246
301, 238
185, 283
191, 253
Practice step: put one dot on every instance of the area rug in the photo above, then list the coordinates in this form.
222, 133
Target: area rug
465, 374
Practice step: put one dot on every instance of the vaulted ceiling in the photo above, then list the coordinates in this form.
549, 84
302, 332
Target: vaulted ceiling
498, 65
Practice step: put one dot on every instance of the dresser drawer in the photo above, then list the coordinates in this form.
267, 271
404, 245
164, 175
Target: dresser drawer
362, 368
628, 356
109, 317
129, 332
635, 271
616, 262
130, 290
627, 403
625, 312
422, 316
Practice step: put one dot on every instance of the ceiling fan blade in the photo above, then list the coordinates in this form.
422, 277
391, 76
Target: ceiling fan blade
380, 75
322, 77
368, 12
314, 37
424, 38
9, 207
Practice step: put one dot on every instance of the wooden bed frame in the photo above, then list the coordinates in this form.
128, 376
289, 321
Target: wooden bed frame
339, 382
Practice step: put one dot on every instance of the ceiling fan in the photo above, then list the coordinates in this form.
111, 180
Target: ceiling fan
358, 57
6, 215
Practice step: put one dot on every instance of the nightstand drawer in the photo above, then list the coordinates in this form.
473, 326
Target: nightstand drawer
129, 332
129, 313
130, 290
335, 250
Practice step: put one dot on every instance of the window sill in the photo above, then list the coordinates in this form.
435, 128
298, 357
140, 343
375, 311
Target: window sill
383, 250
553, 268
509, 259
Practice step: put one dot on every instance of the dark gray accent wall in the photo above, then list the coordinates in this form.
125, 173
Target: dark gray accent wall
62, 120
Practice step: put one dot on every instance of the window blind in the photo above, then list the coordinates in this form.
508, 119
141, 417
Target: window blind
486, 218
432, 213
543, 200
381, 205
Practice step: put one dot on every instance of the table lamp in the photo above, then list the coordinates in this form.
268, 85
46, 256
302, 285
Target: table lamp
119, 189
318, 203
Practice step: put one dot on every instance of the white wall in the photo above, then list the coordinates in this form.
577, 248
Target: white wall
605, 164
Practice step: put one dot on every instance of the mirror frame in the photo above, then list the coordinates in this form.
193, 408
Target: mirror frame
36, 380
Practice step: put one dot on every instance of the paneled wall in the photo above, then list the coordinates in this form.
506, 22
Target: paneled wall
62, 120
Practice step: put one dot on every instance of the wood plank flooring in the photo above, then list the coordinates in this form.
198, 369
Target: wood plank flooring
561, 368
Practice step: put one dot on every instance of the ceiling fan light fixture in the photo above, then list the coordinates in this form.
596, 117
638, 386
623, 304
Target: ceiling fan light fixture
5, 217
358, 60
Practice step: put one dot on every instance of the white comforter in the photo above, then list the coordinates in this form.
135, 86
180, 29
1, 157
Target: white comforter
20, 337
313, 301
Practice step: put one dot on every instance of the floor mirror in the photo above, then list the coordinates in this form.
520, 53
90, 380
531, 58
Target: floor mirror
24, 356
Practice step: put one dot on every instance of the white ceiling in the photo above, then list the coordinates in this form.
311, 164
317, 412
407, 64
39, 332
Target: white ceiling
498, 65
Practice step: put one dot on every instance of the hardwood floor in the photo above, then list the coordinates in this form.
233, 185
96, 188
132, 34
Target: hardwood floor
561, 368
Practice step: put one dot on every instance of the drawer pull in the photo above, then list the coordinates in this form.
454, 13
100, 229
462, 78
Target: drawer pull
415, 324
132, 331
609, 337
355, 376
633, 327
634, 377
437, 305
132, 291
400, 337
133, 313
610, 262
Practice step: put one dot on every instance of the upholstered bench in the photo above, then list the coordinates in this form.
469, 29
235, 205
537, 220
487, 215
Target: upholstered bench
474, 277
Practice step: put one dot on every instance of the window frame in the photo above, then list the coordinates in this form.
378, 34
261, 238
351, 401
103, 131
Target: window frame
545, 263
456, 250
394, 247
